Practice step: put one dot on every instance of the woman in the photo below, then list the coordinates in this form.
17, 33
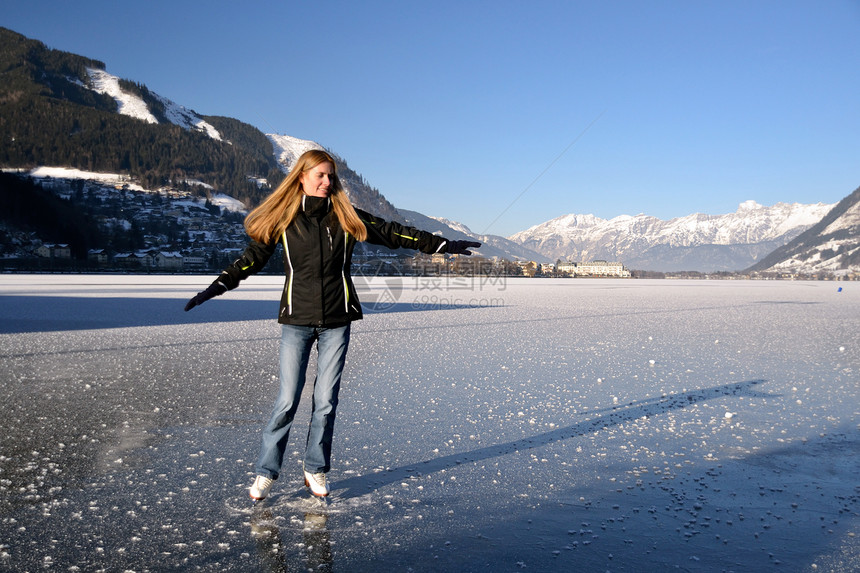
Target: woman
311, 215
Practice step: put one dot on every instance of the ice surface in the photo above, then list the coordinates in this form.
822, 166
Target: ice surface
501, 425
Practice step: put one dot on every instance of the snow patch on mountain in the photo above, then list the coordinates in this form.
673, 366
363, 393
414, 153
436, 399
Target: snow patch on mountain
122, 181
827, 258
850, 219
288, 149
134, 106
186, 118
228, 203
114, 179
127, 104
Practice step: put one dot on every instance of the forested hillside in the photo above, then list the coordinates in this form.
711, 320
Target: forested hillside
41, 212
48, 117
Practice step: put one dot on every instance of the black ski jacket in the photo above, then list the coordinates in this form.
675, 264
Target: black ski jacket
317, 258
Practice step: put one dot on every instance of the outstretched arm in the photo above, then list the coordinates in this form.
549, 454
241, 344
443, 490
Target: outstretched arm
254, 258
394, 235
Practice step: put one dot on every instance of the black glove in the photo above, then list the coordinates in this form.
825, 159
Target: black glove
461, 247
213, 290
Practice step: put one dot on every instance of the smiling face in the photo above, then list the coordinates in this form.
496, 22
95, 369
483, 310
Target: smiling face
317, 182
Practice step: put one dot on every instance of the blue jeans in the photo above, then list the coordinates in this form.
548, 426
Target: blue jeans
296, 344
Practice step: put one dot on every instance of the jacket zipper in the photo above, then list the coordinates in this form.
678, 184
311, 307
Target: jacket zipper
322, 277
289, 307
343, 271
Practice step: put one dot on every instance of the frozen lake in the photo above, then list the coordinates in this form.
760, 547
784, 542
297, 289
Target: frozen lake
484, 425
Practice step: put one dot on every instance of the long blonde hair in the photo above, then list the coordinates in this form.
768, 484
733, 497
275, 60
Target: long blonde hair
278, 210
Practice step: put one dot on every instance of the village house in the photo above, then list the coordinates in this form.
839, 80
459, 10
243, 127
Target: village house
167, 261
54, 251
97, 256
528, 268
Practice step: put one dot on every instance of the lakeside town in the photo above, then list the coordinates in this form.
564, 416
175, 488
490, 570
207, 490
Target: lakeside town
188, 229
177, 230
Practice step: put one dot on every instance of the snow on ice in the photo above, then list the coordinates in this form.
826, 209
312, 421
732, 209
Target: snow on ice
485, 424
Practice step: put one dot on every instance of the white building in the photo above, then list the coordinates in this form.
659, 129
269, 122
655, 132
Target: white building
593, 269
167, 261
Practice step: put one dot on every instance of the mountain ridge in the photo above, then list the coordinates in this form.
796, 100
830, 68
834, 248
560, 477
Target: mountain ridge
702, 242
831, 245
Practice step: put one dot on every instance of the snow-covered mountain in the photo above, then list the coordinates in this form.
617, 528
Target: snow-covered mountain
696, 242
832, 245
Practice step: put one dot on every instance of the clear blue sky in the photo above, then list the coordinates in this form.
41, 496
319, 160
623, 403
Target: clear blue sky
505, 114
